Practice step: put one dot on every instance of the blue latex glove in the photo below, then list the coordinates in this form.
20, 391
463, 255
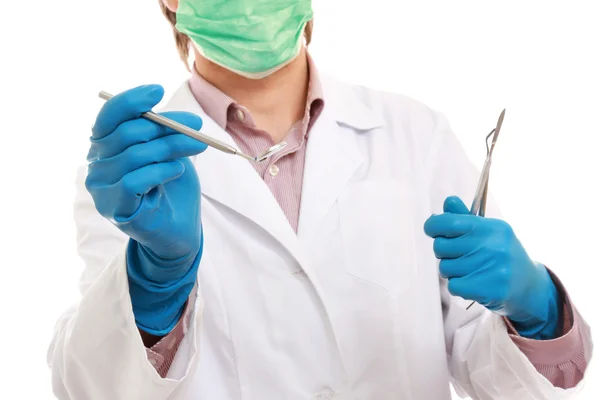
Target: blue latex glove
142, 180
485, 262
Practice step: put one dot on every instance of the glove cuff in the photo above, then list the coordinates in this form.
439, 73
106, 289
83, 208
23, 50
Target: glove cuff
545, 321
159, 270
157, 307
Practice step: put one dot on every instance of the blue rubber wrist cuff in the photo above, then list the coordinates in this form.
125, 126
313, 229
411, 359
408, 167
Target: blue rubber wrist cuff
157, 307
550, 329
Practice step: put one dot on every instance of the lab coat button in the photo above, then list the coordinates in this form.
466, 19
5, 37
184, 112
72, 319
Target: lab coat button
325, 394
273, 170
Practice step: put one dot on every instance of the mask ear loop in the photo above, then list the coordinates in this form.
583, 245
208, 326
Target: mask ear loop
305, 35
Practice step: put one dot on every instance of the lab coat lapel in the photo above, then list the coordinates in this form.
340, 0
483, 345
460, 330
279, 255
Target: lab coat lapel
233, 182
332, 158
332, 155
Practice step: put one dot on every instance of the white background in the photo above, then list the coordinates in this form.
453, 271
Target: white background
469, 59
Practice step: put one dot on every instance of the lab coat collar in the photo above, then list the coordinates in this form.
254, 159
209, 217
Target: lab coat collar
346, 106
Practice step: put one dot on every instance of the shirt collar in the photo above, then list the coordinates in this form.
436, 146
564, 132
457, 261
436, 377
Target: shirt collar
216, 104
315, 89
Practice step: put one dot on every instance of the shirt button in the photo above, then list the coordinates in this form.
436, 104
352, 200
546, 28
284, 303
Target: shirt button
273, 170
153, 362
239, 114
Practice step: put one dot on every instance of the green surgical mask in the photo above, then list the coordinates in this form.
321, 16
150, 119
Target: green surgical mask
253, 38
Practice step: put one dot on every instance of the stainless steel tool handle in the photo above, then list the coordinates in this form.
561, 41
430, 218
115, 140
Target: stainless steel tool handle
169, 123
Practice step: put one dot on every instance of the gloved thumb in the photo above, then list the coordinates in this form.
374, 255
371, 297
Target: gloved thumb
455, 205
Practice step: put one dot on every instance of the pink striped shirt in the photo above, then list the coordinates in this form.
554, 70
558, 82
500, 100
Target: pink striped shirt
562, 361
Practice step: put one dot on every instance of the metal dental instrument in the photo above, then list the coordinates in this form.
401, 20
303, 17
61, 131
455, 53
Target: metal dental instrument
214, 143
480, 201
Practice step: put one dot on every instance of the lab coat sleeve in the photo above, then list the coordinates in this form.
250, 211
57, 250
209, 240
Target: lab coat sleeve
97, 352
484, 361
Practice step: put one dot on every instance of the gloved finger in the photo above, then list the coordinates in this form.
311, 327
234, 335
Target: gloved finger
466, 245
455, 205
167, 148
456, 267
446, 248
449, 225
122, 199
136, 184
468, 287
125, 106
137, 131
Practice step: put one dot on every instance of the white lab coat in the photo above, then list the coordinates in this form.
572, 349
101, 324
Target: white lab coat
351, 307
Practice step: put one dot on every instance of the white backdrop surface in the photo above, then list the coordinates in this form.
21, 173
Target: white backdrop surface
466, 58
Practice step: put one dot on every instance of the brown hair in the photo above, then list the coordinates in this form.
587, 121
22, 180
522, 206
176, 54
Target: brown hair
183, 42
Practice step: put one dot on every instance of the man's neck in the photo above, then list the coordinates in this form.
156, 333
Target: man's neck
276, 102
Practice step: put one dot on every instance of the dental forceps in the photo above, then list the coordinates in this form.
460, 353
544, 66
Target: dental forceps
480, 200
194, 134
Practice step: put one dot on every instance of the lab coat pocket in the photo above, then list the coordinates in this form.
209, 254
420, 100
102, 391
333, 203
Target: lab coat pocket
378, 230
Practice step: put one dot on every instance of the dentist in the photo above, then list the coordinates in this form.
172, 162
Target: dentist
313, 275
